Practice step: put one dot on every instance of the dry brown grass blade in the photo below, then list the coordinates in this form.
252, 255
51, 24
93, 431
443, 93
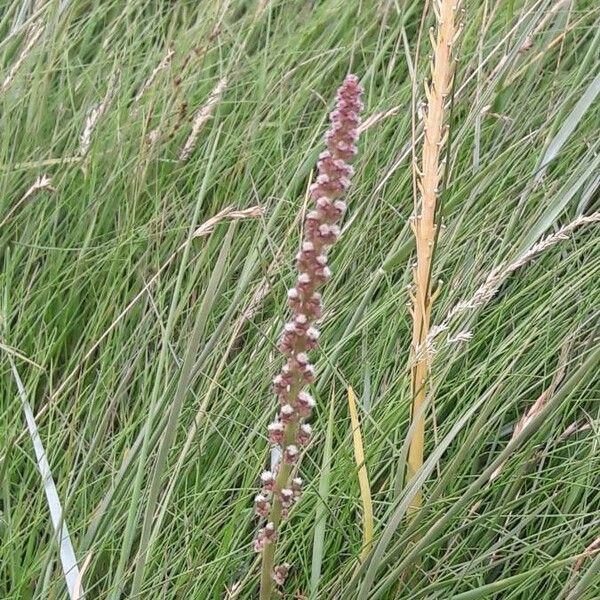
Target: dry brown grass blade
573, 429
428, 178
228, 213
540, 403
376, 118
589, 551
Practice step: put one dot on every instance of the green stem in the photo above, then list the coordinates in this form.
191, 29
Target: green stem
268, 558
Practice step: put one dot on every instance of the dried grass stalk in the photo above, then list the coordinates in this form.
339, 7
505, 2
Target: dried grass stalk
162, 65
378, 117
589, 551
497, 277
426, 203
202, 116
93, 117
228, 213
34, 34
41, 183
539, 404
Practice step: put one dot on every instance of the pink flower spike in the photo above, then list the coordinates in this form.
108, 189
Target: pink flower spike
281, 488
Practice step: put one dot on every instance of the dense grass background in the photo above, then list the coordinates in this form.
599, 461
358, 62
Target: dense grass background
103, 375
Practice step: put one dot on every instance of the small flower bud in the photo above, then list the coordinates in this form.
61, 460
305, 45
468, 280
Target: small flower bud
266, 535
287, 341
340, 206
304, 434
287, 497
323, 275
286, 413
305, 404
267, 480
281, 384
313, 216
308, 373
312, 333
280, 573
302, 358
297, 485
290, 454
276, 431
300, 320
262, 505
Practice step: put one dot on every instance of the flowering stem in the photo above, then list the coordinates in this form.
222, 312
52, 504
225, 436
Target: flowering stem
266, 578
291, 431
424, 227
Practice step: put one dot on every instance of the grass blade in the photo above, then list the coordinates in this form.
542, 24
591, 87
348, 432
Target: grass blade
569, 126
68, 560
320, 522
363, 477
185, 378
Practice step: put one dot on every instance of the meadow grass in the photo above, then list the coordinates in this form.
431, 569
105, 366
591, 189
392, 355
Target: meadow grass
147, 353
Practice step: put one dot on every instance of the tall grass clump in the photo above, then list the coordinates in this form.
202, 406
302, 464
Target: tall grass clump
142, 289
290, 431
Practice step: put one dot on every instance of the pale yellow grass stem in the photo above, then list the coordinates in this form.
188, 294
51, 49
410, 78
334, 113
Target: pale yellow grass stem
424, 227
